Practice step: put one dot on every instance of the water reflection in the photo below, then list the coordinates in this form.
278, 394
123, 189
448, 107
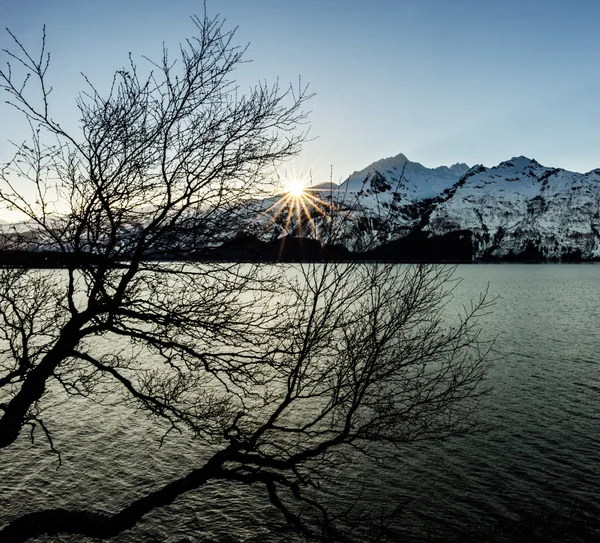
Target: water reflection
538, 451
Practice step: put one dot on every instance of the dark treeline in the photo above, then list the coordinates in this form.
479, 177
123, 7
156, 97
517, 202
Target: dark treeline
454, 247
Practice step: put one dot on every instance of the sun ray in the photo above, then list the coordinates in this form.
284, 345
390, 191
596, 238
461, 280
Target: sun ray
287, 224
309, 217
289, 216
284, 205
316, 199
314, 202
282, 202
303, 203
299, 216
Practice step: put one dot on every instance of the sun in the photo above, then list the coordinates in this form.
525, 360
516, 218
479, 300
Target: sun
298, 208
294, 188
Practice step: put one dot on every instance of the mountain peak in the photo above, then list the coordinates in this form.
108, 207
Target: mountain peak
391, 162
518, 162
407, 179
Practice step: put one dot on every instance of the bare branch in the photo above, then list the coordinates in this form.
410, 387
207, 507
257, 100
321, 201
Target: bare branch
281, 372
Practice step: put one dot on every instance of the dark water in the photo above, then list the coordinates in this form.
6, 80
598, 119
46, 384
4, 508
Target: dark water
539, 453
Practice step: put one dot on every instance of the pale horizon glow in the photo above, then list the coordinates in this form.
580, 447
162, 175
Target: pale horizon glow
441, 81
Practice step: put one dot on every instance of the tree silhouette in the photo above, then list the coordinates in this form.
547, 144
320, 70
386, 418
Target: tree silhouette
277, 372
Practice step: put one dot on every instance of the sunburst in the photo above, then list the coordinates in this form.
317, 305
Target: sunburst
299, 203
295, 188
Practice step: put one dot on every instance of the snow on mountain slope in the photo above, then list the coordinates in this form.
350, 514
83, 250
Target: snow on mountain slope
410, 180
520, 204
518, 209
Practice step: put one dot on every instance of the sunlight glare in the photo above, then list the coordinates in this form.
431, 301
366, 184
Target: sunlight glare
298, 208
294, 188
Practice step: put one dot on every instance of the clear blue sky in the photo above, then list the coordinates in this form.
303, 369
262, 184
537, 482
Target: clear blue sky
442, 81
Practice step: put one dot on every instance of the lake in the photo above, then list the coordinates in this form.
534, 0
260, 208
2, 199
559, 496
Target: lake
535, 459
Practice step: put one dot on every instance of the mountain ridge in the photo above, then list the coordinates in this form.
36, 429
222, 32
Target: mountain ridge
399, 210
516, 207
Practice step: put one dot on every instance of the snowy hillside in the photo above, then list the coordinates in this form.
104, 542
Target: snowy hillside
400, 210
521, 205
518, 207
517, 210
411, 181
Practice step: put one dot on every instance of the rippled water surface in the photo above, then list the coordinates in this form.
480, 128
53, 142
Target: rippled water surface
539, 448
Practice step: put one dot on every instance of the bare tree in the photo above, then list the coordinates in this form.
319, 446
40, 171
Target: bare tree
277, 371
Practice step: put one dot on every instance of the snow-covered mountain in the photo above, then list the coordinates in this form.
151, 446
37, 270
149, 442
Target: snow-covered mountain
411, 181
401, 210
518, 208
521, 206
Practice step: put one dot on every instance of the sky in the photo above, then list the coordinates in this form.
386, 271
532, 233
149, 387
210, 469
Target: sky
441, 81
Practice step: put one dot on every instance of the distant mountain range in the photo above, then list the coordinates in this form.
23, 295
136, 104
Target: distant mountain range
518, 210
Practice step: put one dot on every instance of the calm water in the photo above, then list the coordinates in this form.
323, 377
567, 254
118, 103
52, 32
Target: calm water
540, 450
